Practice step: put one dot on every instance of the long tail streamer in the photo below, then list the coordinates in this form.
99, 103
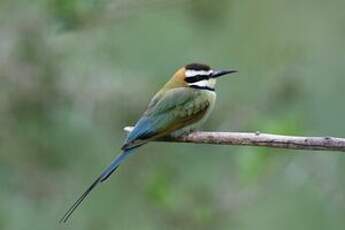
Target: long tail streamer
103, 177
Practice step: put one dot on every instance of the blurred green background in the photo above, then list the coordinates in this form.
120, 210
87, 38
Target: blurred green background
73, 73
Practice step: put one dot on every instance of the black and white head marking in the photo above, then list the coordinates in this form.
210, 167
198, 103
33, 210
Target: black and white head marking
199, 76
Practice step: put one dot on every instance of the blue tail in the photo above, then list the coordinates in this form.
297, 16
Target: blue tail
103, 177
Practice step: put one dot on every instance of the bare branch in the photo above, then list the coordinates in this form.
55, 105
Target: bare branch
260, 139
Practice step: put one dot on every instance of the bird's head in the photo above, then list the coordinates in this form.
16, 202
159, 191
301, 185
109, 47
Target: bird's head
198, 76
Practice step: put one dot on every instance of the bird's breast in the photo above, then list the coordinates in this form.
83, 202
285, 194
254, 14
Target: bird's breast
204, 99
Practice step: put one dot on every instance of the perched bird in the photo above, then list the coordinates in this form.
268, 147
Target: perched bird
181, 106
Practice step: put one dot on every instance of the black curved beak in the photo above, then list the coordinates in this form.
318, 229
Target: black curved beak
219, 73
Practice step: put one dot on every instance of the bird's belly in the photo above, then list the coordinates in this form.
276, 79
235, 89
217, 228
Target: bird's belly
206, 96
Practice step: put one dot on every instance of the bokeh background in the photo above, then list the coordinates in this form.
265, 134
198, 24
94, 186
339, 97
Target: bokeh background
73, 73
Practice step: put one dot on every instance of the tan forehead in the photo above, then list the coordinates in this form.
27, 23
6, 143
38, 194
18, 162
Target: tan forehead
180, 75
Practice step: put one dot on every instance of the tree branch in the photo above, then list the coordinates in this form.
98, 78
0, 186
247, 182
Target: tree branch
260, 139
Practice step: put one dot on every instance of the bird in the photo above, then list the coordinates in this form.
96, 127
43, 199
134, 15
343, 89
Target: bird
181, 106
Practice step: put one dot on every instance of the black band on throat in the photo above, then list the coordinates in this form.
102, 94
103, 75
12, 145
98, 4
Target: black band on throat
202, 87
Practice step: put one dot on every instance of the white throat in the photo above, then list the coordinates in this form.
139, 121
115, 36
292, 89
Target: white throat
210, 83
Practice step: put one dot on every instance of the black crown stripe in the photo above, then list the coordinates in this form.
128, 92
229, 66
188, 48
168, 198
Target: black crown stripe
197, 66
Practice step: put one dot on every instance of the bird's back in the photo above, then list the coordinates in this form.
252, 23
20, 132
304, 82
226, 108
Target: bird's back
175, 111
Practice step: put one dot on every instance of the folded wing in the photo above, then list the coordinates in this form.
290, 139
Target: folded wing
165, 114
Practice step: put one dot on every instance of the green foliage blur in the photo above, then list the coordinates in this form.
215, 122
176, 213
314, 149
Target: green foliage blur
73, 73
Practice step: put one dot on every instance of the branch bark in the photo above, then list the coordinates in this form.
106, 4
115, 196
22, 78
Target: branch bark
260, 139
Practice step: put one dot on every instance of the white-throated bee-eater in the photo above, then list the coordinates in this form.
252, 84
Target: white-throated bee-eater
181, 106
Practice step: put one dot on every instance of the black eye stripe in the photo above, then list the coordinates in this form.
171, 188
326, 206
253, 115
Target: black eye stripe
197, 78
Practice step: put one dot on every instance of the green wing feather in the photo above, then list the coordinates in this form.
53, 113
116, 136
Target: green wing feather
167, 112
